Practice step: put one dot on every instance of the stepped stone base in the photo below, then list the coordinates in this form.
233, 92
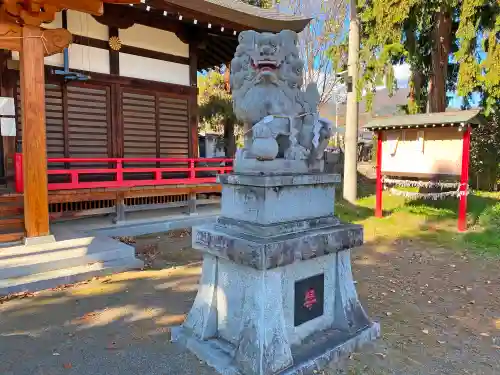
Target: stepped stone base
330, 346
276, 294
254, 321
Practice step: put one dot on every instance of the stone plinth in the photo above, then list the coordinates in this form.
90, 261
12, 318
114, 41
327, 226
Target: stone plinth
276, 294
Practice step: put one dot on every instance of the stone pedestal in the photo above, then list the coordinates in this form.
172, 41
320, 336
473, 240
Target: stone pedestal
276, 294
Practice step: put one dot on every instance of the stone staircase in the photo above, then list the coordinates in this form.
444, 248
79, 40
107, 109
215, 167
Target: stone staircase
44, 266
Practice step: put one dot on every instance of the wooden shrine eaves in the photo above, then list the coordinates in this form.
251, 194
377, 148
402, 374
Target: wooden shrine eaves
426, 120
240, 13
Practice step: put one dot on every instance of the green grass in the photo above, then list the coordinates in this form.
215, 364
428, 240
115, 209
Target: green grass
432, 221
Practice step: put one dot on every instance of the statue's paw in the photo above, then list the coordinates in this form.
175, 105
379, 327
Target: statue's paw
297, 152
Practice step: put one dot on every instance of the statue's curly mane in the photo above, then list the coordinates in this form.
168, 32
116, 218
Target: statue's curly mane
252, 96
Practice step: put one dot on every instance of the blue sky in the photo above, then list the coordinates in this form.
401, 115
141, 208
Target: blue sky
402, 72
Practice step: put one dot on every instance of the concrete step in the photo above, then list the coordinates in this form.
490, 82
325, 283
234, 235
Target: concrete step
51, 257
53, 279
93, 243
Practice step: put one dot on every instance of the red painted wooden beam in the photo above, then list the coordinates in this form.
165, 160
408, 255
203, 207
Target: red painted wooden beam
379, 187
119, 170
464, 181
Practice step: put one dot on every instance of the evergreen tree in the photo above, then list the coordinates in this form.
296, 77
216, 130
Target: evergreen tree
450, 45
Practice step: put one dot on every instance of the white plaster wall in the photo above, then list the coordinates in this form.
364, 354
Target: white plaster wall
97, 60
85, 25
154, 70
89, 59
54, 24
154, 39
80, 57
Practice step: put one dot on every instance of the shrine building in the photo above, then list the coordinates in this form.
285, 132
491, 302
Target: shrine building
120, 130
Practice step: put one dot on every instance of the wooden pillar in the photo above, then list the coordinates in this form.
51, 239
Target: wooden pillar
36, 210
7, 143
464, 181
379, 187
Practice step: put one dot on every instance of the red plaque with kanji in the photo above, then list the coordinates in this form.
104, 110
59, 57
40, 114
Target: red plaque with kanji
309, 299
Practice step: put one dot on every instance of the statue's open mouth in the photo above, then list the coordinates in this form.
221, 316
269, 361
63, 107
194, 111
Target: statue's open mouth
265, 65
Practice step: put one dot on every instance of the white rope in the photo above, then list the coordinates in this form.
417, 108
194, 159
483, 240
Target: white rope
421, 184
270, 118
41, 37
432, 196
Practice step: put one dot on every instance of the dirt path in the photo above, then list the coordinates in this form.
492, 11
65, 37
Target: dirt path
439, 311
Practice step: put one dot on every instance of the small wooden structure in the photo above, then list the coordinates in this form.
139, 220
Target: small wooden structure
432, 150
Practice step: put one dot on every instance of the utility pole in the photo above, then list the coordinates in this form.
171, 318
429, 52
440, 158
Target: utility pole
351, 134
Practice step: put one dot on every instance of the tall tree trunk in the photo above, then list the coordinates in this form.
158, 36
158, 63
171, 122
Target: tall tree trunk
417, 77
440, 53
229, 139
227, 78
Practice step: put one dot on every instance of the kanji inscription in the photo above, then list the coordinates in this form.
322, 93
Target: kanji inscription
309, 299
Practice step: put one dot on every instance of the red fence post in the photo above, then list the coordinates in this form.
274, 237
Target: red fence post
379, 188
192, 171
19, 172
119, 171
464, 181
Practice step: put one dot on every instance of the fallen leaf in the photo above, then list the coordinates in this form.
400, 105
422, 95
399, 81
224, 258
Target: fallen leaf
441, 342
472, 302
67, 365
426, 331
381, 355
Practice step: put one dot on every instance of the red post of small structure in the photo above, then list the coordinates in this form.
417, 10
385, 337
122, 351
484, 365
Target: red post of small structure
379, 188
464, 182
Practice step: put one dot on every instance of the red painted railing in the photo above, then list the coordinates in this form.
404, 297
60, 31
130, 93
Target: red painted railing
123, 176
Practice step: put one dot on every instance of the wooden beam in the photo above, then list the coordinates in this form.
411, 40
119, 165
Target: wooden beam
193, 101
379, 182
53, 40
174, 90
116, 16
114, 56
464, 181
200, 16
36, 209
131, 50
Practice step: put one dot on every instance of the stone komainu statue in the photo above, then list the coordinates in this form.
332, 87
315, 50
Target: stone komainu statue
281, 120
